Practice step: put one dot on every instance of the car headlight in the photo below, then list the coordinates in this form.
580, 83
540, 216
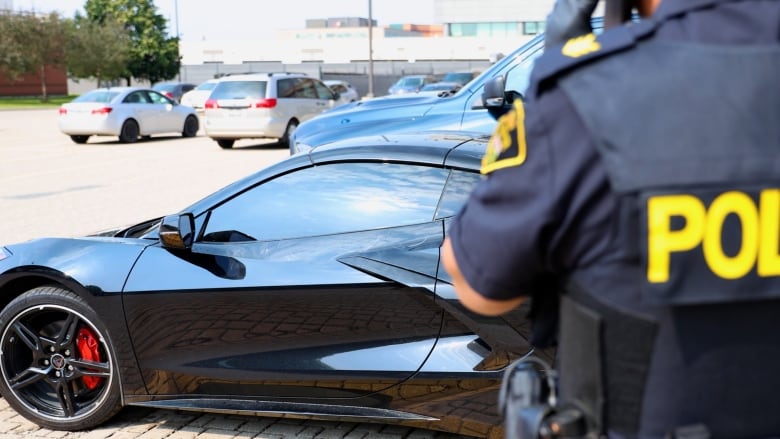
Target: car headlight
4, 253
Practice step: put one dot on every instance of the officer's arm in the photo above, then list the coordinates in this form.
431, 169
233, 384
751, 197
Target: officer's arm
469, 297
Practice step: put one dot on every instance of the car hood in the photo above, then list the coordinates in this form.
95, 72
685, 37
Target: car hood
98, 263
389, 110
384, 102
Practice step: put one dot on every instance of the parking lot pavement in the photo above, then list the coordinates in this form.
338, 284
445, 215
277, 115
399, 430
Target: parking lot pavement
50, 186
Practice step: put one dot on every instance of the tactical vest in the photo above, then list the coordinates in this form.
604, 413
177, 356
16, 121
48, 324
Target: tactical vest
699, 172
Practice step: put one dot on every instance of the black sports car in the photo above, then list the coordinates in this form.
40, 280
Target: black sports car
310, 289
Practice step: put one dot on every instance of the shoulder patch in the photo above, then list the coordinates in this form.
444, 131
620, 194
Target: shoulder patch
507, 145
579, 46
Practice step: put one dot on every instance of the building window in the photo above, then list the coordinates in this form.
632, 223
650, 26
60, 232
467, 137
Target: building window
533, 27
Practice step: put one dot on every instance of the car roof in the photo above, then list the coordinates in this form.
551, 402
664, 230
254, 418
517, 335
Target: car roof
460, 149
261, 75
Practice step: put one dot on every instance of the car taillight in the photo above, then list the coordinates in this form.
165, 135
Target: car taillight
63, 110
265, 103
211, 103
103, 110
169, 94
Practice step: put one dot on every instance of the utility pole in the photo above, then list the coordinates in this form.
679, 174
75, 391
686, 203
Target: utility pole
178, 40
370, 51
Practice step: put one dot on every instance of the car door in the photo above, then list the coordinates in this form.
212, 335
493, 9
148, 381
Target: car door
139, 107
167, 120
270, 302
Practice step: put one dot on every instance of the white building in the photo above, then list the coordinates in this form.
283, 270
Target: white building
463, 30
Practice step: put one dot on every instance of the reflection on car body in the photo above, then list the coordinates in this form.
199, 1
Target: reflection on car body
309, 289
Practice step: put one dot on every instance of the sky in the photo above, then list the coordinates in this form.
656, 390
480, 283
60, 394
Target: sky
233, 19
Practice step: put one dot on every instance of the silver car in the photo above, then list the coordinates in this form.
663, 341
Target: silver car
126, 112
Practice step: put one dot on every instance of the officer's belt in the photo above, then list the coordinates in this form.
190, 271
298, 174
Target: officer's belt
604, 354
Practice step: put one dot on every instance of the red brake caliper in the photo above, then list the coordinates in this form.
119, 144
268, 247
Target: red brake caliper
87, 343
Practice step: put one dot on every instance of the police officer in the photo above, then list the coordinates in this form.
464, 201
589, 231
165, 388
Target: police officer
639, 184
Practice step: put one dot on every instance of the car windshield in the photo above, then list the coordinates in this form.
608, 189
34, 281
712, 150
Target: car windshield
239, 90
457, 77
164, 87
410, 81
206, 86
102, 96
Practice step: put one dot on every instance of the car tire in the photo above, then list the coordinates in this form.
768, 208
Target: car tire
79, 139
191, 126
291, 127
57, 367
129, 132
225, 143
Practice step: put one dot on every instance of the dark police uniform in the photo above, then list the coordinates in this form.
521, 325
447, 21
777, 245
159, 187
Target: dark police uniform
642, 176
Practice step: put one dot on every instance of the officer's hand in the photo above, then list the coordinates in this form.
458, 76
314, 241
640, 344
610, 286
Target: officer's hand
568, 19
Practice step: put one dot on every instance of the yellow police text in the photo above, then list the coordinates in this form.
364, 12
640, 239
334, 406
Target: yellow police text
760, 226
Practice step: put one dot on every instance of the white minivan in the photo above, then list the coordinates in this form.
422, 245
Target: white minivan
263, 105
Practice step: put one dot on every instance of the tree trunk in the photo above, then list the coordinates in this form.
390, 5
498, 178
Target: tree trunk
44, 93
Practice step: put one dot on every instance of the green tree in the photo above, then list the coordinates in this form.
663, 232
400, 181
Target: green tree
154, 55
99, 51
29, 43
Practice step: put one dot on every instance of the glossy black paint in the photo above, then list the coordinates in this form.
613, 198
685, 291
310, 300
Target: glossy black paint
361, 325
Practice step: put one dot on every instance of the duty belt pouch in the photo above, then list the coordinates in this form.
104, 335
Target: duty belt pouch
580, 361
604, 355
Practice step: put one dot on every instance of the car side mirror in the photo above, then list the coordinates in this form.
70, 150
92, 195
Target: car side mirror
496, 99
177, 232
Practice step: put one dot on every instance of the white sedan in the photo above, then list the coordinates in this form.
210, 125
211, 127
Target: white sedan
347, 93
126, 112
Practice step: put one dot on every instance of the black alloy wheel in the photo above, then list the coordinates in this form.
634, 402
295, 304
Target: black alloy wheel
191, 126
57, 368
79, 139
129, 132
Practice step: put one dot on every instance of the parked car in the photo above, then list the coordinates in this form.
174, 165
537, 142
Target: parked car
410, 84
309, 289
196, 98
126, 112
347, 93
463, 110
174, 90
263, 105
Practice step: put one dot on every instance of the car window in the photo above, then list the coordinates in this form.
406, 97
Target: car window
305, 89
518, 76
456, 192
328, 199
206, 86
239, 90
285, 88
136, 97
158, 98
323, 92
104, 96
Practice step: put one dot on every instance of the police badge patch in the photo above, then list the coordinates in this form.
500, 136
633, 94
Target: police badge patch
507, 145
